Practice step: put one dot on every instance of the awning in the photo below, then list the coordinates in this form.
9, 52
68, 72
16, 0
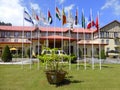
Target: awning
12, 49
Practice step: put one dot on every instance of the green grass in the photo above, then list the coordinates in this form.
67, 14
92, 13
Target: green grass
12, 77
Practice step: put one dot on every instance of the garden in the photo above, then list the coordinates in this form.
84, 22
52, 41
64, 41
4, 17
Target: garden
54, 73
12, 77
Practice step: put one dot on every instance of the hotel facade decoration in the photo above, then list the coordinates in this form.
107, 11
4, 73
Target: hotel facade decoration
12, 36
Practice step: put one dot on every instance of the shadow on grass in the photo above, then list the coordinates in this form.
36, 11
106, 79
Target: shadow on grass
104, 66
68, 81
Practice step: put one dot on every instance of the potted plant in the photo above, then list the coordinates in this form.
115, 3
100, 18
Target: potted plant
54, 72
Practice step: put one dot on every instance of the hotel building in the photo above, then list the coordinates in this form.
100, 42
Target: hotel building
71, 40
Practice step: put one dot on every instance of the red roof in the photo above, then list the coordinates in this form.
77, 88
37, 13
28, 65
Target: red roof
17, 28
56, 37
82, 30
53, 29
45, 29
14, 43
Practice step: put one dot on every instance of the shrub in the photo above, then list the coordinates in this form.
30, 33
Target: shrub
28, 52
6, 55
103, 56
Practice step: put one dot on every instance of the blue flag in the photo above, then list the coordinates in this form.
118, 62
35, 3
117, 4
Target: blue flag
27, 17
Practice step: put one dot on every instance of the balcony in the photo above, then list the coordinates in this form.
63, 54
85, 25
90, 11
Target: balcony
11, 40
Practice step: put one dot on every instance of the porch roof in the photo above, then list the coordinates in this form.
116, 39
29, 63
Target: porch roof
56, 37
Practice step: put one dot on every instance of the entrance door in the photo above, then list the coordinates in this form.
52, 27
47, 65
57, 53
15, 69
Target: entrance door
57, 44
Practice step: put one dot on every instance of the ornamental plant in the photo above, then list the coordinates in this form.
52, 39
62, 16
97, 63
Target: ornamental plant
6, 55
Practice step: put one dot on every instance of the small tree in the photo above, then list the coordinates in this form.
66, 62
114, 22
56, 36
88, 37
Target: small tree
28, 52
103, 56
6, 55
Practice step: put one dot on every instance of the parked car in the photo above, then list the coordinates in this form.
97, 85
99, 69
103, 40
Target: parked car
49, 52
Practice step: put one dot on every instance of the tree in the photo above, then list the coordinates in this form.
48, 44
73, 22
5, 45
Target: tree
103, 56
6, 55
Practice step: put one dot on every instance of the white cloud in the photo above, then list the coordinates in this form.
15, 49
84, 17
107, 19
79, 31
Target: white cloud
12, 12
35, 7
61, 1
70, 7
113, 4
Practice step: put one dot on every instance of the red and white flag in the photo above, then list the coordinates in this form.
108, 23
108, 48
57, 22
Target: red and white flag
34, 15
91, 22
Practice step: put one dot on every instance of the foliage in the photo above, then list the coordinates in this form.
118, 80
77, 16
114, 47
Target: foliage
103, 56
5, 24
28, 52
6, 55
53, 59
73, 58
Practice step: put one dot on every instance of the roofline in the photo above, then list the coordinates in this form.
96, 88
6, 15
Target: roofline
110, 23
42, 29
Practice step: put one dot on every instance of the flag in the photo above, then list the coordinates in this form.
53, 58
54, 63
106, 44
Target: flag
83, 20
63, 17
70, 18
91, 22
42, 18
49, 18
27, 17
97, 23
34, 15
58, 14
76, 17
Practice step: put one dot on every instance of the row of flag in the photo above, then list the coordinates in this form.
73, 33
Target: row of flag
63, 18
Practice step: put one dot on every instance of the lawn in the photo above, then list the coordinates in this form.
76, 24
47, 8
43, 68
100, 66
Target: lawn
13, 77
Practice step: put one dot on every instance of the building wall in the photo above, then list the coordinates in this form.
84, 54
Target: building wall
111, 35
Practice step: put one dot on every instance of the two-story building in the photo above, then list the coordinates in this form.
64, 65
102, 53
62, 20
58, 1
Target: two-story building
71, 40
110, 34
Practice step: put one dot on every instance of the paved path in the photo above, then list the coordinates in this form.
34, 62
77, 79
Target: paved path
20, 61
29, 61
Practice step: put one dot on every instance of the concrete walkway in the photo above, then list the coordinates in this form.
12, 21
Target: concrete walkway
20, 61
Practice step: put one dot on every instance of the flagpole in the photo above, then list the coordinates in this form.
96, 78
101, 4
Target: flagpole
77, 40
22, 38
47, 35
84, 41
70, 45
62, 33
31, 50
92, 42
54, 27
38, 45
99, 42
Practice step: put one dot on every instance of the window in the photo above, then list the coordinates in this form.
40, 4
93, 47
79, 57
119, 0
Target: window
115, 34
28, 34
116, 42
107, 34
102, 34
102, 41
87, 36
107, 41
16, 34
2, 34
15, 40
7, 34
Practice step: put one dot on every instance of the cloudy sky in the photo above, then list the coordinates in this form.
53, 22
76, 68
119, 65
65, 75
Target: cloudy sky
11, 11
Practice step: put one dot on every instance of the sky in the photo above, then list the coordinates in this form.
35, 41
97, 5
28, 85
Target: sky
11, 11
